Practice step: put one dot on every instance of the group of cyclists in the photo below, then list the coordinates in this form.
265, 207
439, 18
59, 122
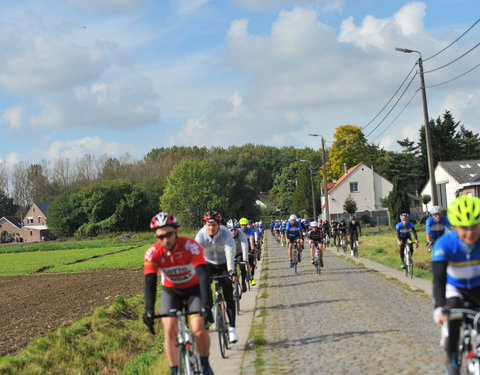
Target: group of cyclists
295, 230
187, 269
187, 266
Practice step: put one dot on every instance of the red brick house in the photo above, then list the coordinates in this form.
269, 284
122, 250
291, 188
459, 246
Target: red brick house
35, 223
11, 225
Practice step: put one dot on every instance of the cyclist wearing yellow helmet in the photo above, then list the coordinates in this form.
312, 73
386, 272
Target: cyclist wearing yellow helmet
456, 269
250, 234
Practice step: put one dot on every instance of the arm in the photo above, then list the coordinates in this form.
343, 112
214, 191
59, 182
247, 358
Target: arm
415, 234
204, 283
439, 270
150, 294
244, 248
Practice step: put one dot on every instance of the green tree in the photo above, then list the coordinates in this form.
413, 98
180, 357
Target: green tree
349, 147
7, 207
398, 202
350, 205
193, 188
65, 215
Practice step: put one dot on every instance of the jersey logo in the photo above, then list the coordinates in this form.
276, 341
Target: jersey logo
149, 254
192, 247
439, 252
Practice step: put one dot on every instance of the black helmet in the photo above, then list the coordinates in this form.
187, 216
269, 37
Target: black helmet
212, 216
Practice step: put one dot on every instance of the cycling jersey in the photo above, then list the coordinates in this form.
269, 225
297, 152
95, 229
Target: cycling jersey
178, 265
354, 228
241, 245
436, 229
248, 233
219, 249
315, 235
463, 269
403, 231
342, 228
293, 229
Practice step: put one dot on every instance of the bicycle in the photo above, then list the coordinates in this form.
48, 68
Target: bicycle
220, 315
188, 357
248, 275
295, 255
468, 344
316, 259
407, 251
237, 290
336, 241
343, 242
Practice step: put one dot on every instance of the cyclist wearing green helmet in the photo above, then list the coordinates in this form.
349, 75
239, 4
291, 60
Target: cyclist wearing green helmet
456, 270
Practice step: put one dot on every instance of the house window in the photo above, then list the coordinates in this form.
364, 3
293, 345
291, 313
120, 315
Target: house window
30, 220
442, 195
39, 220
31, 233
353, 187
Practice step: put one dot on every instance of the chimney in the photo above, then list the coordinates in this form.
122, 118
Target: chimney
345, 167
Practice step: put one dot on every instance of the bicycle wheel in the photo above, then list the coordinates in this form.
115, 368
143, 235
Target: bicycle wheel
194, 357
407, 261
183, 361
410, 264
249, 277
317, 262
220, 325
295, 258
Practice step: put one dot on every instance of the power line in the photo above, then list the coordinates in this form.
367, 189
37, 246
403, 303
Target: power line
451, 44
451, 62
453, 79
400, 97
406, 105
373, 119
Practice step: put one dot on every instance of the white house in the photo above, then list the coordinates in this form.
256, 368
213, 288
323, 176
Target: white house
365, 186
453, 178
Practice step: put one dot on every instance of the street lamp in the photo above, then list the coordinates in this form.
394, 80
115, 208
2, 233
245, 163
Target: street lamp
325, 190
313, 192
431, 172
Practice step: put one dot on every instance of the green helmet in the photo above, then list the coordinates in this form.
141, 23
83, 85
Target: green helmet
243, 221
464, 211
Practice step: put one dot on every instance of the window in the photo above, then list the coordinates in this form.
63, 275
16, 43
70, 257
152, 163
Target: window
39, 220
442, 195
30, 220
353, 187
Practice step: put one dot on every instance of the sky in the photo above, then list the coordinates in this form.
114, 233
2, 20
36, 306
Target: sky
122, 77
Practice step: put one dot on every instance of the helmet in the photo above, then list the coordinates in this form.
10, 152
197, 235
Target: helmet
250, 222
314, 224
464, 211
353, 218
163, 219
243, 221
212, 216
404, 216
435, 210
293, 217
342, 221
233, 224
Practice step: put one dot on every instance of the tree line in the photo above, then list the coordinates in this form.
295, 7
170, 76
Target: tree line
92, 196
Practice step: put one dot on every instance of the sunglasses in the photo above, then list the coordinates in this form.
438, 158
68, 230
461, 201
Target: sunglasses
233, 230
166, 235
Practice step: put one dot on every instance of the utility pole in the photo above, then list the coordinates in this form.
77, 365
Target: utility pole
431, 171
313, 191
324, 169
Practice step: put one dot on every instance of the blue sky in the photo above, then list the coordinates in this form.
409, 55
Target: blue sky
123, 77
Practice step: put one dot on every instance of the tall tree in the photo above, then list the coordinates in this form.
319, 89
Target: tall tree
7, 207
397, 201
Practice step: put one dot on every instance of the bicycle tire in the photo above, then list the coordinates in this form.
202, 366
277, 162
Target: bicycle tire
183, 361
249, 276
194, 356
406, 261
219, 322
225, 326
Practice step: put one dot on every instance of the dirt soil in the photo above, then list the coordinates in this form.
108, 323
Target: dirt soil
30, 306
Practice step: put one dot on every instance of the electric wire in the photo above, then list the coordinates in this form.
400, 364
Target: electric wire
451, 62
451, 44
453, 79
395, 93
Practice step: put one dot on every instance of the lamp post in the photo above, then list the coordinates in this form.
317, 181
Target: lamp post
324, 169
431, 172
313, 192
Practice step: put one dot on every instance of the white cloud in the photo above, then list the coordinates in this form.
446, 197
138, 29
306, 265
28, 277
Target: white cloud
184, 7
77, 148
12, 118
265, 5
464, 106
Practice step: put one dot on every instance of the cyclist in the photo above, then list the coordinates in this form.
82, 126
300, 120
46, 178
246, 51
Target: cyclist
184, 277
334, 231
250, 234
293, 230
219, 250
342, 231
315, 236
241, 246
456, 269
326, 230
435, 226
403, 235
283, 229
354, 230
256, 237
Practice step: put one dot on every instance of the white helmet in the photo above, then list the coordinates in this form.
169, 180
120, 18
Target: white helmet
293, 217
435, 210
314, 224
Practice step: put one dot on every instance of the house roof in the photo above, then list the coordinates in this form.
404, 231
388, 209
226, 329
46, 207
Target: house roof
43, 206
344, 176
13, 220
463, 171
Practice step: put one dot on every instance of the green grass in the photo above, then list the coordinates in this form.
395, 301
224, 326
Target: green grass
382, 247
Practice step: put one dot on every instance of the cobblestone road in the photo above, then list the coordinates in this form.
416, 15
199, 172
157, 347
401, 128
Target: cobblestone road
348, 320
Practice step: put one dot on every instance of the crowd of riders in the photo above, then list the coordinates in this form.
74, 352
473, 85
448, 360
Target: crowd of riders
187, 268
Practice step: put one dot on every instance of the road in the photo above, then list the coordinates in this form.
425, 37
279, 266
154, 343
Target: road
349, 320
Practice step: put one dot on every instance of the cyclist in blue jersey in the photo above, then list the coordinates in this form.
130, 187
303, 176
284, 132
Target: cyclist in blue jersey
293, 231
456, 269
403, 235
435, 226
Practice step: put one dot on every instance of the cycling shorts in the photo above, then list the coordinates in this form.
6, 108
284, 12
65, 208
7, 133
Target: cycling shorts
174, 298
293, 238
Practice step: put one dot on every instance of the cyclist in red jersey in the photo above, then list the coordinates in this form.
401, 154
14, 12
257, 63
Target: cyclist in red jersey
185, 281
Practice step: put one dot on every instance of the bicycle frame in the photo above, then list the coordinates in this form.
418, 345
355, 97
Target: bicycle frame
408, 258
220, 318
